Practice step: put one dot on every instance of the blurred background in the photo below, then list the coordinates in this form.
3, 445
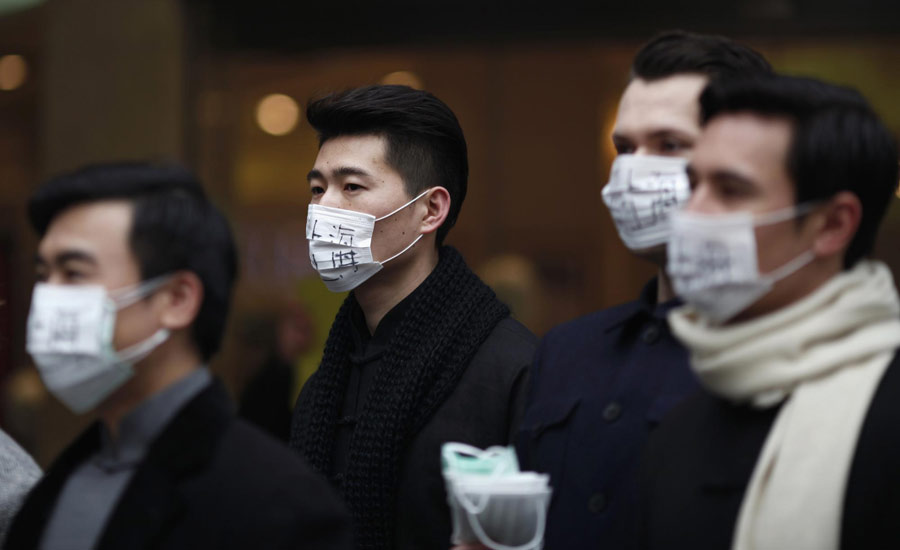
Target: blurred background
221, 86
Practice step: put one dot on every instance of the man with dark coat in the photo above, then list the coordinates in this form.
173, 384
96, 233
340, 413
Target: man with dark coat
792, 331
601, 383
421, 352
135, 269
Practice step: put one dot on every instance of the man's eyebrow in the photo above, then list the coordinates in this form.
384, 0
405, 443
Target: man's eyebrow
667, 132
341, 171
350, 171
66, 256
733, 178
314, 175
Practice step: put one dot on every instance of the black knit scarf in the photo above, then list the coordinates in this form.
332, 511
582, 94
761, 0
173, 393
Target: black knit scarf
450, 317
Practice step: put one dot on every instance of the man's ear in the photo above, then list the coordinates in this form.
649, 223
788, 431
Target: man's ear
842, 215
180, 300
437, 207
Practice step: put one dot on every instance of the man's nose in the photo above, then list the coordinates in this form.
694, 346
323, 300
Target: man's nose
701, 201
331, 197
55, 277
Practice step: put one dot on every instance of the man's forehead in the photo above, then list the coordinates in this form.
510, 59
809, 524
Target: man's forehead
744, 142
668, 103
362, 150
100, 227
750, 134
681, 89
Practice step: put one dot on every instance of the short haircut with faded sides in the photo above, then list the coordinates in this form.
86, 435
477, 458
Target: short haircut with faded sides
678, 52
425, 143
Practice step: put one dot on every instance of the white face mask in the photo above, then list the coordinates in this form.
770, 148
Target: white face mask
642, 192
70, 339
713, 260
340, 245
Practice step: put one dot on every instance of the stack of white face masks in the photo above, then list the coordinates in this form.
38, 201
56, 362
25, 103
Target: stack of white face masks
491, 501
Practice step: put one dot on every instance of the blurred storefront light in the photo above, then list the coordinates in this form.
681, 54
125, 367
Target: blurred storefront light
277, 114
13, 72
404, 78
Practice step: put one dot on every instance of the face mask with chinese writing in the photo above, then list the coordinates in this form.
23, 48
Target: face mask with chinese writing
713, 262
642, 192
340, 245
70, 339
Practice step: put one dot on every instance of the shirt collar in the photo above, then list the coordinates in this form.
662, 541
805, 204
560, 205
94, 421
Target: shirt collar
646, 307
368, 347
139, 428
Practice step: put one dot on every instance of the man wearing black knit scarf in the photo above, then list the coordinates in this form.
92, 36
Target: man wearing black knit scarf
421, 352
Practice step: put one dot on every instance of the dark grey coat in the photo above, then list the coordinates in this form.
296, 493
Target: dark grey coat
209, 481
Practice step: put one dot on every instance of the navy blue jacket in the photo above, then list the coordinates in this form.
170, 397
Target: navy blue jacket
599, 385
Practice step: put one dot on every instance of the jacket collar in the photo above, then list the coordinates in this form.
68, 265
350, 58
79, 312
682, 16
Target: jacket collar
645, 307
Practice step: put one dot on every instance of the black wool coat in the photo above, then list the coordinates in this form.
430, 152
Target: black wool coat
484, 409
209, 481
700, 460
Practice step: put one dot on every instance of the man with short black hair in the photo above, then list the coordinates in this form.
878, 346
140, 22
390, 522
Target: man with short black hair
602, 382
421, 352
791, 330
135, 268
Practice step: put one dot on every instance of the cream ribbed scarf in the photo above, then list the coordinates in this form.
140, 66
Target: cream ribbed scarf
826, 354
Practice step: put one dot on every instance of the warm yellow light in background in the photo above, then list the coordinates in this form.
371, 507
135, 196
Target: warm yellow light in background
277, 114
13, 71
404, 78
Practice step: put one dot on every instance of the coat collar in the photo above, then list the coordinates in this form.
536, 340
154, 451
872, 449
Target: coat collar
644, 308
152, 501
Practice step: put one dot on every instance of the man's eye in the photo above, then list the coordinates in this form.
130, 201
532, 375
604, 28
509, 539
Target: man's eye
670, 146
73, 276
352, 187
624, 149
40, 277
316, 190
731, 191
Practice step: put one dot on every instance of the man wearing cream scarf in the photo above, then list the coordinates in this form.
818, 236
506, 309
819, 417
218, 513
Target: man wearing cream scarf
791, 330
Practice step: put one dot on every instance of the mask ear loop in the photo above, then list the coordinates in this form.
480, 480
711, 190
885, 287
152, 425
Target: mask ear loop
130, 295
404, 250
419, 196
124, 297
785, 214
780, 216
410, 245
140, 350
534, 543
